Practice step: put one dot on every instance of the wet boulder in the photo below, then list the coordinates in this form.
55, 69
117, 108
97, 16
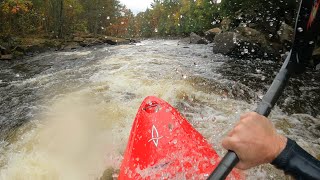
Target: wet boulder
210, 34
285, 33
252, 35
262, 47
114, 41
184, 41
244, 43
5, 54
226, 43
122, 41
34, 48
196, 39
226, 24
133, 41
71, 46
90, 42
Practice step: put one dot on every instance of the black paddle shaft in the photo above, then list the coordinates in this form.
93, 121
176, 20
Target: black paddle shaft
306, 29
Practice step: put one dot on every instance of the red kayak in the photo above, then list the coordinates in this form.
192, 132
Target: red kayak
164, 145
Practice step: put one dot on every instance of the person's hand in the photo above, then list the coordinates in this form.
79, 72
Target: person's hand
255, 141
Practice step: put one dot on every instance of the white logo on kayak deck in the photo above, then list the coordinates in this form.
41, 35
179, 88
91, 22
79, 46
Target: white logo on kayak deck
155, 136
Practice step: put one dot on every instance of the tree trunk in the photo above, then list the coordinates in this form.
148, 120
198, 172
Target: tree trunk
60, 20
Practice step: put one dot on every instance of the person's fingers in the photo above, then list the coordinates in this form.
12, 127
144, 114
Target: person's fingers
230, 143
226, 143
236, 129
230, 133
249, 116
242, 116
244, 119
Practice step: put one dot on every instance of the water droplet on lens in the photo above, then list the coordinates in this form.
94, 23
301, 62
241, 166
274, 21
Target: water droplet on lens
175, 141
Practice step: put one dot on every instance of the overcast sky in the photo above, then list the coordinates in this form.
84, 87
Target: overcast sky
137, 5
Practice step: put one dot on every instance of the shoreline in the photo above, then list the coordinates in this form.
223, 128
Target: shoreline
15, 48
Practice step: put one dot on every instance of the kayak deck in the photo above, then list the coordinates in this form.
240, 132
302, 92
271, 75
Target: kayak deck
164, 145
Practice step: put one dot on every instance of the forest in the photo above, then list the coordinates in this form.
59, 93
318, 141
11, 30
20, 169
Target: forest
28, 26
62, 18
59, 18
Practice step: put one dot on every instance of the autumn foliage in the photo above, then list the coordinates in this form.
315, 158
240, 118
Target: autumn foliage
61, 18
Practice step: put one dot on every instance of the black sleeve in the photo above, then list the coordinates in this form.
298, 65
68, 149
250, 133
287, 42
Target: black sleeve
295, 161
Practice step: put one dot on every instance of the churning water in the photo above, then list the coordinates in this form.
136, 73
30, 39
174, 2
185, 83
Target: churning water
67, 115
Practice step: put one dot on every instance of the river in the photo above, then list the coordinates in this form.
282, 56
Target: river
67, 115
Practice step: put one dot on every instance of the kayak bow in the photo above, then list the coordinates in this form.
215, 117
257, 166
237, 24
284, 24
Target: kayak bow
164, 145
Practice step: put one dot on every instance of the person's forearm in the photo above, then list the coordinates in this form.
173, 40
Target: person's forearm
297, 162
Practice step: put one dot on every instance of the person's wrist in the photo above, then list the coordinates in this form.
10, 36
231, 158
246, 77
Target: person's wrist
281, 142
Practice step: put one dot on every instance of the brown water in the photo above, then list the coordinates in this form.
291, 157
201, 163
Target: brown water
67, 115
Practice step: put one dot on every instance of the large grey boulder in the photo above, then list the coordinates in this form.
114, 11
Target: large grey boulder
225, 43
184, 41
252, 35
196, 39
258, 39
244, 42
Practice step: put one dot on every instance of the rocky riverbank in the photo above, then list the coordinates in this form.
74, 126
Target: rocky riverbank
248, 41
18, 47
